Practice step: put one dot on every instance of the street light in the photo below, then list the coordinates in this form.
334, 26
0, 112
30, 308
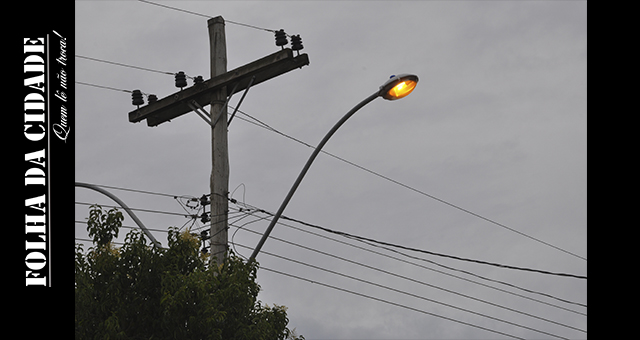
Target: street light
395, 88
398, 86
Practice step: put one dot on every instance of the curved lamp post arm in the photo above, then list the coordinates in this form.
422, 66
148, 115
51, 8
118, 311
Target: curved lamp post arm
126, 208
306, 168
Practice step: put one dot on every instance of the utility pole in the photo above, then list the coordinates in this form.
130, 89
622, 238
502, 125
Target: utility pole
219, 147
217, 92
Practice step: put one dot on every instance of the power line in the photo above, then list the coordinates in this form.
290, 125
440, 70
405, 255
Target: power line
360, 238
221, 221
241, 227
175, 8
392, 289
420, 297
128, 227
339, 158
208, 16
410, 293
390, 302
87, 240
487, 279
386, 301
114, 242
176, 197
267, 127
124, 65
143, 210
192, 217
141, 191
433, 262
103, 87
260, 210
366, 296
449, 268
378, 299
452, 275
351, 236
398, 276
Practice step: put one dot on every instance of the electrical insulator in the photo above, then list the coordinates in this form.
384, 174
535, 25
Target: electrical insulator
281, 38
296, 43
198, 80
181, 80
204, 218
152, 98
204, 201
136, 97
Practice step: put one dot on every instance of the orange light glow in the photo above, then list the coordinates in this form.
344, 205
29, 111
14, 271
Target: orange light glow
402, 89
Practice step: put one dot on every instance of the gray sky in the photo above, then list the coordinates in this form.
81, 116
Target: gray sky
496, 126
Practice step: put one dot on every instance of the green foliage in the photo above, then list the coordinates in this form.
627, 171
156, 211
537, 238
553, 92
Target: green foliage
103, 227
140, 291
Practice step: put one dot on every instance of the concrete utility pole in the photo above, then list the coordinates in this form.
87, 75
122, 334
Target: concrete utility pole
216, 92
219, 147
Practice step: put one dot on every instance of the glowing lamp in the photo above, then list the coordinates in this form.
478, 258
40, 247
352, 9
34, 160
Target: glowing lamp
398, 86
395, 88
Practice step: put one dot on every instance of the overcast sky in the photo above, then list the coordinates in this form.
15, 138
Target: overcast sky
496, 126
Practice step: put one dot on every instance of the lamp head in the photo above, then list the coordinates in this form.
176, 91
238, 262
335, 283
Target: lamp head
398, 86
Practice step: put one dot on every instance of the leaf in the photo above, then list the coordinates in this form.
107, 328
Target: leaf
143, 292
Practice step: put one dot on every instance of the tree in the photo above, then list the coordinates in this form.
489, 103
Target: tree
140, 291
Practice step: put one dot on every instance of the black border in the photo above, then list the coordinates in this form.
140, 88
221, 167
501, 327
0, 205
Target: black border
53, 21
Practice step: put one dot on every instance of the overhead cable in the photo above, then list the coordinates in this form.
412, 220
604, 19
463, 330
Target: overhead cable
419, 296
339, 158
124, 65
128, 227
103, 87
449, 274
143, 210
267, 127
142, 191
390, 303
360, 238
402, 277
207, 16
483, 278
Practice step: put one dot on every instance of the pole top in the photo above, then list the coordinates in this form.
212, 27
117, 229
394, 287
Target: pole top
217, 20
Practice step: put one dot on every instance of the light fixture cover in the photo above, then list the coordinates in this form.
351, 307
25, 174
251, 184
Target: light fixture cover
398, 86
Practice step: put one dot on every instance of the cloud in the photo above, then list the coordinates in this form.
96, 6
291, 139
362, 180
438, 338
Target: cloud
497, 125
